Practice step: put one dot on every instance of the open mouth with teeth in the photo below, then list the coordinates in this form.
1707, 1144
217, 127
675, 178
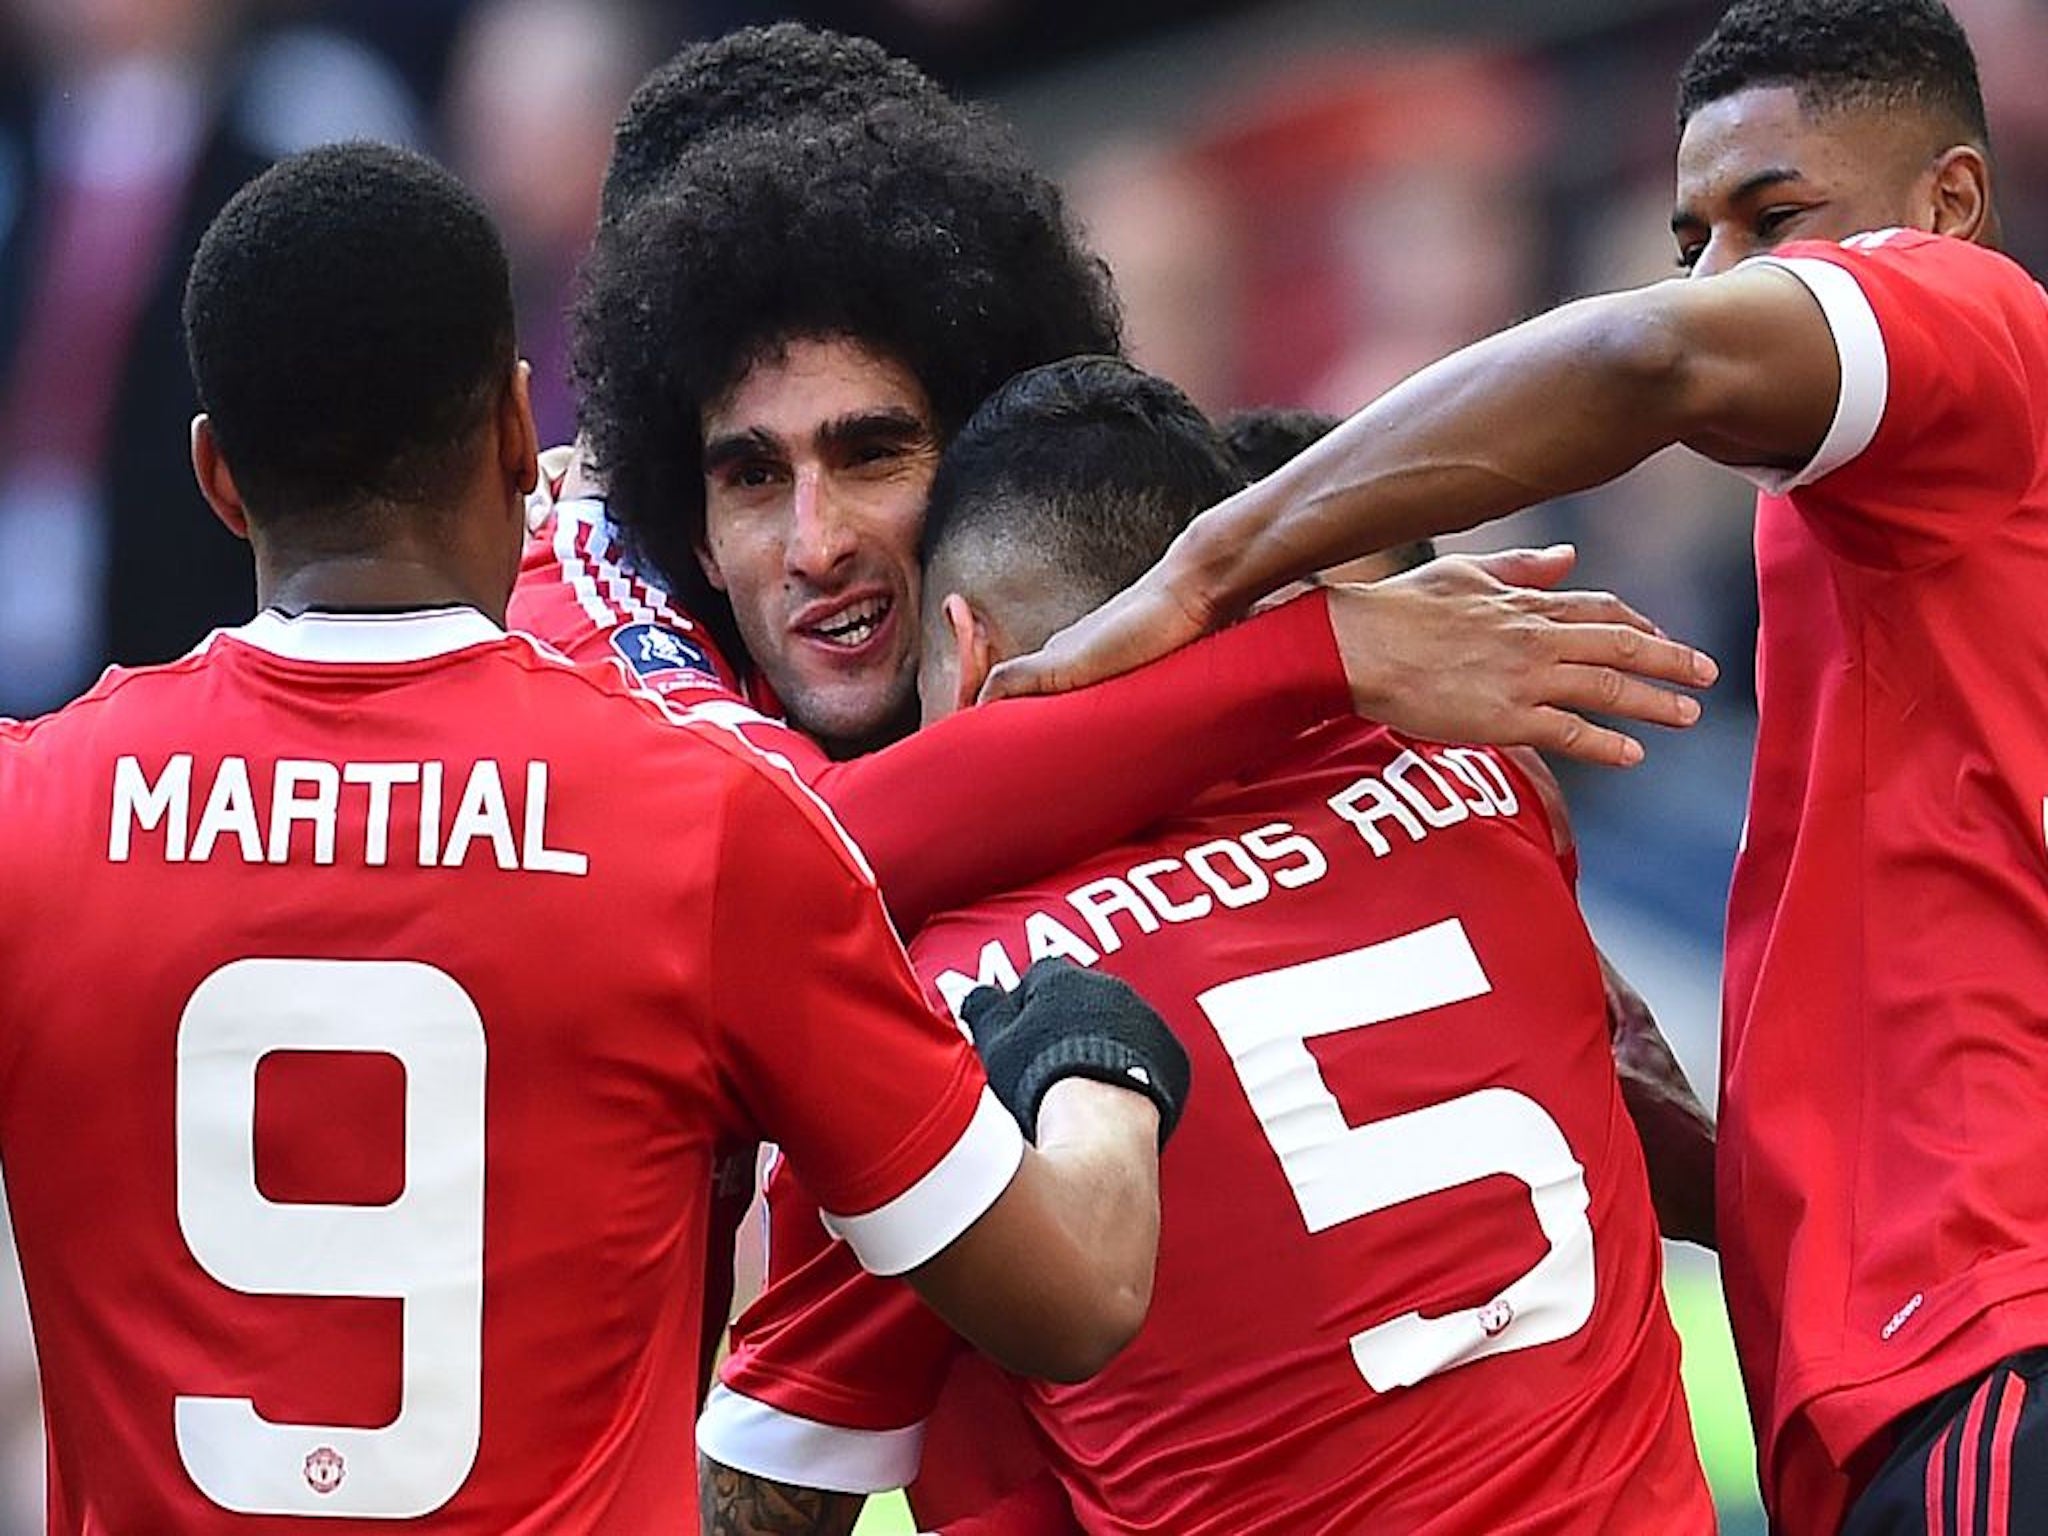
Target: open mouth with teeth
855, 624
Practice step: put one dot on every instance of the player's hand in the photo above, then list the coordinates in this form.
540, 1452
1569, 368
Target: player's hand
554, 464
1468, 648
1479, 648
1064, 1021
1145, 621
540, 501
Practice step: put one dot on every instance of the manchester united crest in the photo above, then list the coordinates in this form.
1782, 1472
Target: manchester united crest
325, 1469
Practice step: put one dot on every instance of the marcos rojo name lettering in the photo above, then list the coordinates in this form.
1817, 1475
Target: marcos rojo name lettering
301, 810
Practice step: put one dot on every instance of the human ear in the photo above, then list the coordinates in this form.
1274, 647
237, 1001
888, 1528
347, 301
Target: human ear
518, 437
216, 480
973, 655
1959, 195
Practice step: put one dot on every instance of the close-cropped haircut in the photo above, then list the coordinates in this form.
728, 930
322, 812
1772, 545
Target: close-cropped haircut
1088, 467
754, 77
1264, 437
1842, 53
348, 319
928, 239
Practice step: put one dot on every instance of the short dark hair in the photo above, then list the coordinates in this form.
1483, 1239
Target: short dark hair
1264, 437
1841, 53
1092, 465
935, 245
348, 318
754, 77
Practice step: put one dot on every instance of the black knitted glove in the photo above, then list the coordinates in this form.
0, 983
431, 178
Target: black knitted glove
1063, 1021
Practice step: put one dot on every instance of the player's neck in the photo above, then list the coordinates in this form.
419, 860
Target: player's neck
372, 581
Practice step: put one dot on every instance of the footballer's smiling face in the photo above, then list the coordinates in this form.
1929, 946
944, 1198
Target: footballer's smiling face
1756, 169
816, 467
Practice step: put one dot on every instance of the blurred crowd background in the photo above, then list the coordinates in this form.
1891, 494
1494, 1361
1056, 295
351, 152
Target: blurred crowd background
1302, 201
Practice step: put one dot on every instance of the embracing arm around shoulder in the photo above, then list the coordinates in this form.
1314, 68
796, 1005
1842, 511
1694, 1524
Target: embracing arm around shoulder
1741, 367
1052, 1280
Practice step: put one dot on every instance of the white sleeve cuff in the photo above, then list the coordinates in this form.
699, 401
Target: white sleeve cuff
926, 1217
749, 1436
1866, 373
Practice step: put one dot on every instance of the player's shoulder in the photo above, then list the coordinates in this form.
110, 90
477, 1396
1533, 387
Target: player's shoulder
574, 546
130, 690
776, 799
1440, 782
1914, 265
1892, 247
1344, 746
582, 592
768, 795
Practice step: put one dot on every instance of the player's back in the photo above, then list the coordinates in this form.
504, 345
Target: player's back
1409, 1277
357, 1128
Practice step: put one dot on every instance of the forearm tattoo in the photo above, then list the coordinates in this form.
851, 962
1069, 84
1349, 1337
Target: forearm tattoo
739, 1504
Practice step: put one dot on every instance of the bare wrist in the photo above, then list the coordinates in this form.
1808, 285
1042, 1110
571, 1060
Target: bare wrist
1207, 569
1076, 1108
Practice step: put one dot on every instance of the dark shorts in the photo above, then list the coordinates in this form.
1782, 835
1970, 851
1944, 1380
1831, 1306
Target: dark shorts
1974, 1462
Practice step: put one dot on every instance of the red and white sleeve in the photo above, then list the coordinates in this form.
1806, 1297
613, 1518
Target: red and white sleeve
878, 1102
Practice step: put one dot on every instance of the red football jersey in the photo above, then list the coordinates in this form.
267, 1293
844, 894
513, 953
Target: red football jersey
579, 592
363, 1063
965, 809
985, 800
1409, 1278
1884, 1119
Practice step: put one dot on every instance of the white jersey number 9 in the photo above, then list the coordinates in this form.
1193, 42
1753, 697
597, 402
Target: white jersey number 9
425, 1248
1341, 1172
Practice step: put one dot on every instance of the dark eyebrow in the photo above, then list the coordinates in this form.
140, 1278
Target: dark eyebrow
732, 447
889, 423
1747, 188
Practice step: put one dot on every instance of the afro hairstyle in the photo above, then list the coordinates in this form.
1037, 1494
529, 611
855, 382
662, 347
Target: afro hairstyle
928, 239
754, 77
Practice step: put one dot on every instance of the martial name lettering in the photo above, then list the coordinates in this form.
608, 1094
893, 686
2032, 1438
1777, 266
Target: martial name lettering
306, 811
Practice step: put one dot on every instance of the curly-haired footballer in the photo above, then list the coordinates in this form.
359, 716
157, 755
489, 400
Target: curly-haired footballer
346, 1197
822, 294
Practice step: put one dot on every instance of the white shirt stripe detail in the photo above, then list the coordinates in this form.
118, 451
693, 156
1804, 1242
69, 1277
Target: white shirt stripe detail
733, 716
1866, 371
366, 637
748, 1435
958, 1190
618, 584
606, 585
573, 571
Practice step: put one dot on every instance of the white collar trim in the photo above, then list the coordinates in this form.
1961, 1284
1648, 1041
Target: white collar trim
367, 637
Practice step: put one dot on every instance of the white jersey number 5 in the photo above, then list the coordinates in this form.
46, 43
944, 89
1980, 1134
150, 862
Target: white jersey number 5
426, 1248
1340, 1172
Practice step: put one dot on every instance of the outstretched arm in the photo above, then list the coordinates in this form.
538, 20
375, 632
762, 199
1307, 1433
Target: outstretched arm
1742, 367
989, 800
1470, 650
